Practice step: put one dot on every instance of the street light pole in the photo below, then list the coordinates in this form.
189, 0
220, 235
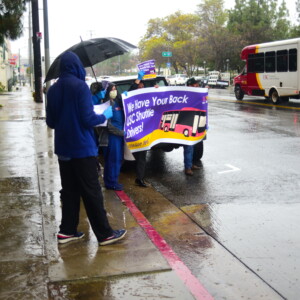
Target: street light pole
38, 93
204, 63
30, 47
46, 41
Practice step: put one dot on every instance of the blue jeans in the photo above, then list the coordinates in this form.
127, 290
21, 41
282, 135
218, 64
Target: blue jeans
188, 156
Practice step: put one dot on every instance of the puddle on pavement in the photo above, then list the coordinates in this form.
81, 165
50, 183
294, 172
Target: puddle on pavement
162, 285
17, 185
23, 280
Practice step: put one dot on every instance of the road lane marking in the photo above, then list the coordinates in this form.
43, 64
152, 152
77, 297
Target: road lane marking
183, 272
232, 169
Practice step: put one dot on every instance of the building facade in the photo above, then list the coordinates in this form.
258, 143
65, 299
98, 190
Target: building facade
7, 65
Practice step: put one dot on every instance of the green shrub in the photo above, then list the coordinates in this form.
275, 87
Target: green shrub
2, 87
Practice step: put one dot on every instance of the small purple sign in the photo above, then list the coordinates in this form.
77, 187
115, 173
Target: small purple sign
148, 67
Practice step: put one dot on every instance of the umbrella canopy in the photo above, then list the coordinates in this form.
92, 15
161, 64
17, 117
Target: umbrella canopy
92, 52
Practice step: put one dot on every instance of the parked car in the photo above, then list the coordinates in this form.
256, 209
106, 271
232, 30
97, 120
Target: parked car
177, 79
215, 80
125, 82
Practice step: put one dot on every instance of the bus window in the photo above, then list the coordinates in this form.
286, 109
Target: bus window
256, 63
244, 70
270, 61
282, 61
293, 60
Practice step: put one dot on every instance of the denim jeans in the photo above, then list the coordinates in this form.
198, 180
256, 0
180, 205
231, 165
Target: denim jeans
188, 156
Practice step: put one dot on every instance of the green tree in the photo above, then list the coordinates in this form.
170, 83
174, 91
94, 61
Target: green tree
185, 42
176, 33
258, 21
295, 31
282, 24
11, 12
219, 43
154, 43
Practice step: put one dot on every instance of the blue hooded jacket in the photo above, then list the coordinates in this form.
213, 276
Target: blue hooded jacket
70, 111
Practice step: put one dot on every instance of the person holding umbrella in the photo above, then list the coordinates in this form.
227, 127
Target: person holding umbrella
70, 113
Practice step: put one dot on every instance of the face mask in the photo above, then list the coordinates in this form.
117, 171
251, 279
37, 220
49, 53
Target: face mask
113, 94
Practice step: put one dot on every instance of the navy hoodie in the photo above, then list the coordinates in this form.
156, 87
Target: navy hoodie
70, 111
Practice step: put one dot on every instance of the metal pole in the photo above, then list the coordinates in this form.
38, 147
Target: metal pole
46, 43
38, 93
30, 47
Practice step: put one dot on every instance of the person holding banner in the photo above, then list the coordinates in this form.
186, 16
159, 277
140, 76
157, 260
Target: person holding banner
198, 148
190, 153
114, 152
140, 156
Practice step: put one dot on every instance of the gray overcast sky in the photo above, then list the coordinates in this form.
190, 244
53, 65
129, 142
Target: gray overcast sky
127, 20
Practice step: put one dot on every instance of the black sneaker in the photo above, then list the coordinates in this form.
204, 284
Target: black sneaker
64, 238
117, 235
141, 182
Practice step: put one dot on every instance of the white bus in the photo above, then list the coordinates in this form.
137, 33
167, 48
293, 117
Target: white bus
271, 71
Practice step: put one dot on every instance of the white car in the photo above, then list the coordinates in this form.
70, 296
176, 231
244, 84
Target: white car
177, 79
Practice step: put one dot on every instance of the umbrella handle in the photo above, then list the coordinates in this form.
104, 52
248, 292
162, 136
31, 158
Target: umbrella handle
94, 73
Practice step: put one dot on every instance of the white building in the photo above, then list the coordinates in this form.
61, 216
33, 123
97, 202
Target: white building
6, 69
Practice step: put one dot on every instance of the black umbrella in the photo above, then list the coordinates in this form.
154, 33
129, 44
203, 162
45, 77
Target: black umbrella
92, 52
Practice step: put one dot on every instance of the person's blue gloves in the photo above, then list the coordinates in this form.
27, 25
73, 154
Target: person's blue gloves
108, 113
125, 93
101, 94
141, 74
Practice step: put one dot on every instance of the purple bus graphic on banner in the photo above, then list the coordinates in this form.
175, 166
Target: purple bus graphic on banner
188, 121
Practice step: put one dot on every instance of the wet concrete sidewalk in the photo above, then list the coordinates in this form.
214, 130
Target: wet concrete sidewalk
33, 266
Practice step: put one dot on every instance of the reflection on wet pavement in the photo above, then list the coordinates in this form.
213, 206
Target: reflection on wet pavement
252, 211
23, 269
263, 236
216, 268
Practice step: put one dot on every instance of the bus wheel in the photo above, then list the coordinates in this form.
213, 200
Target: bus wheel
186, 132
275, 97
239, 94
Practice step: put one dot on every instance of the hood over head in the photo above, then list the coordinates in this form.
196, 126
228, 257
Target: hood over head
71, 64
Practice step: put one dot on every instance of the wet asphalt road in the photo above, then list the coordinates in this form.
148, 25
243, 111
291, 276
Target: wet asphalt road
247, 190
